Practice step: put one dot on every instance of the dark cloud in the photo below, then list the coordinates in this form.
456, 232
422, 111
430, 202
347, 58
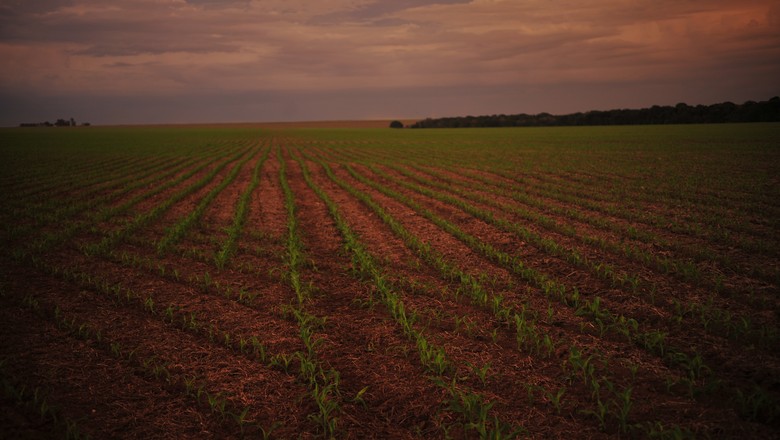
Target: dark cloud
382, 8
217, 4
118, 65
20, 7
129, 48
377, 12
119, 35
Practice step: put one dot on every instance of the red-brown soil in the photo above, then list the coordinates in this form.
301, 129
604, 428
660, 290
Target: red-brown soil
87, 328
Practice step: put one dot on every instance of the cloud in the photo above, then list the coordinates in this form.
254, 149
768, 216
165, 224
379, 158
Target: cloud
377, 11
220, 3
176, 48
18, 7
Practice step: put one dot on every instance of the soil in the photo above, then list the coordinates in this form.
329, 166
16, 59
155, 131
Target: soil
91, 331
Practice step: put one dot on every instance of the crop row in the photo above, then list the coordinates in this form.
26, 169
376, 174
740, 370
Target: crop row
477, 280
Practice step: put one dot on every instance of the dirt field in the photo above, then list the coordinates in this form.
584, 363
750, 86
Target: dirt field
543, 283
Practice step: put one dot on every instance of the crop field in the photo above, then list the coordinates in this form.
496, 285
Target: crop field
572, 282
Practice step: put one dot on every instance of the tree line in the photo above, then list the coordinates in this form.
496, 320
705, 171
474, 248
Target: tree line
750, 111
59, 123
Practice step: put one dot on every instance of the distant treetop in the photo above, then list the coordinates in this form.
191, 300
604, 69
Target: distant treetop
60, 123
750, 111
396, 124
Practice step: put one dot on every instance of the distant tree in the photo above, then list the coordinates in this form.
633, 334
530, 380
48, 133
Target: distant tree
396, 124
681, 113
59, 123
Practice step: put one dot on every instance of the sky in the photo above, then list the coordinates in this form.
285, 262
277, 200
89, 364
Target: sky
199, 61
